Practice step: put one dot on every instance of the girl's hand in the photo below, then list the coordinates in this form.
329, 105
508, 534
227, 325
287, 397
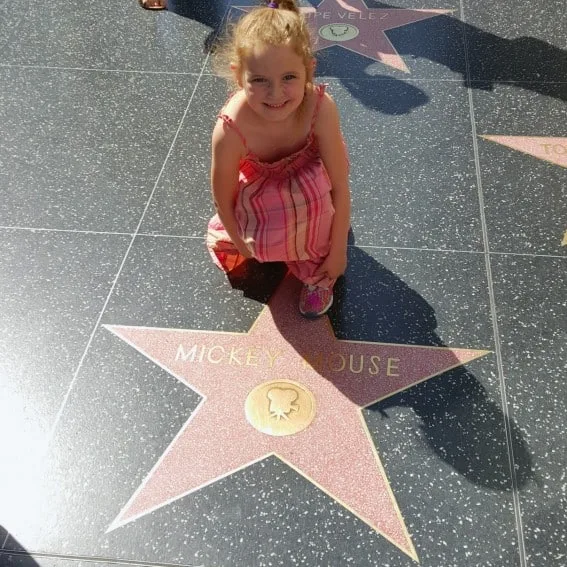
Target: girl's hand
243, 249
334, 265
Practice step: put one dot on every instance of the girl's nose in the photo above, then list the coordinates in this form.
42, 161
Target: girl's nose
275, 89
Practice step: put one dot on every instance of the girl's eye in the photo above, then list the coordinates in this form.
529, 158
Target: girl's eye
289, 77
258, 80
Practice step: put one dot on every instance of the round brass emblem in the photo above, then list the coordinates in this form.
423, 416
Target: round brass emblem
280, 407
338, 32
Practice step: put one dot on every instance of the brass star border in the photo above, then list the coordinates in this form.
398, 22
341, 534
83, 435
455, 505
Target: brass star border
288, 388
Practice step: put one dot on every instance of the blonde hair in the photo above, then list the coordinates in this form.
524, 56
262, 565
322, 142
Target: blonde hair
284, 25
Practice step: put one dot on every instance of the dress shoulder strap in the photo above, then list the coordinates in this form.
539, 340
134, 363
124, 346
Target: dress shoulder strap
230, 123
320, 93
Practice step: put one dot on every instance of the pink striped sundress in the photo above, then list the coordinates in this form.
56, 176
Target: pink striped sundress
284, 210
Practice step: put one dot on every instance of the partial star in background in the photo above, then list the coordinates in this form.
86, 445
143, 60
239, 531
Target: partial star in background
551, 149
352, 25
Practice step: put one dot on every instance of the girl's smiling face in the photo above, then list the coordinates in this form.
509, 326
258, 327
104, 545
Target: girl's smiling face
274, 80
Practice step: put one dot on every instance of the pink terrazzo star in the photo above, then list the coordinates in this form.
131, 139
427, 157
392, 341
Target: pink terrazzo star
350, 24
542, 147
335, 451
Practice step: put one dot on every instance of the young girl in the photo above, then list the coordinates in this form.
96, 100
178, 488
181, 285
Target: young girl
279, 169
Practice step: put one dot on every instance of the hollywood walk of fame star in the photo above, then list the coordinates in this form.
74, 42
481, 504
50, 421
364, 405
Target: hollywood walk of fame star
287, 388
547, 148
353, 26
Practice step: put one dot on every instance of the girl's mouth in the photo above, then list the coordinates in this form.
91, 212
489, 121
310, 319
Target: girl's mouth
276, 106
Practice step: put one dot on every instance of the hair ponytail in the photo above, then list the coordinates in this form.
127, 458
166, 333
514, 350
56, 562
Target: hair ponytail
290, 5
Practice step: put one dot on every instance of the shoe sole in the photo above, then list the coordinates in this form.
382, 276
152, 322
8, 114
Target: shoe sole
317, 315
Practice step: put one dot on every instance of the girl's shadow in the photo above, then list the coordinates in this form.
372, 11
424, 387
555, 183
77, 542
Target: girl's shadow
458, 418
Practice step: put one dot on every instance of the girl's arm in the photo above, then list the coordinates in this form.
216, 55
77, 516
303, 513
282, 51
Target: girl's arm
226, 155
334, 156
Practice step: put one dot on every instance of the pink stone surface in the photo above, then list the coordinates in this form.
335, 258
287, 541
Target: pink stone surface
371, 24
335, 452
550, 149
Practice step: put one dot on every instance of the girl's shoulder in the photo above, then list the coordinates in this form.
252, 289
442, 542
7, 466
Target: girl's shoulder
324, 102
226, 133
235, 106
326, 112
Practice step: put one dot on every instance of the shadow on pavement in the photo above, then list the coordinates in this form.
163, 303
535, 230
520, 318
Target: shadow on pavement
529, 62
460, 422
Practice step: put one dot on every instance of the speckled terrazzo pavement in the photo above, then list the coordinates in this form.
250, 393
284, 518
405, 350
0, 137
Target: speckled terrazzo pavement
456, 126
